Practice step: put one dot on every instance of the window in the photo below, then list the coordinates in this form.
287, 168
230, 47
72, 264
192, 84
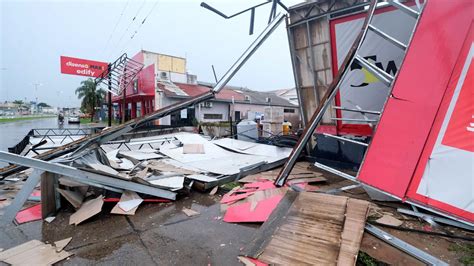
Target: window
213, 116
247, 98
135, 86
268, 100
288, 110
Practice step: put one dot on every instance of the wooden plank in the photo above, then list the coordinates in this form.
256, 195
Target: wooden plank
315, 229
61, 244
263, 236
44, 254
87, 210
74, 197
311, 234
19, 249
49, 196
351, 236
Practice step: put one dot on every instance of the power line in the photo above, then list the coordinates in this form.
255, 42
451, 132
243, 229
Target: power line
143, 21
128, 27
116, 24
141, 24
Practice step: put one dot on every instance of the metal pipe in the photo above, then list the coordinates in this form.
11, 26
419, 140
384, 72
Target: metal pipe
345, 139
335, 171
248, 53
356, 110
403, 246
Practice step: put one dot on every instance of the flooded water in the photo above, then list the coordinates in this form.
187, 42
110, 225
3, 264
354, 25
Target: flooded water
13, 132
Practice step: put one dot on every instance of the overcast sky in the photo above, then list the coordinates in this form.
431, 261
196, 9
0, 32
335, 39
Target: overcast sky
34, 34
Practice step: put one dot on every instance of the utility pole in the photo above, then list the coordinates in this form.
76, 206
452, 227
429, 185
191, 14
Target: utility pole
110, 98
124, 108
36, 95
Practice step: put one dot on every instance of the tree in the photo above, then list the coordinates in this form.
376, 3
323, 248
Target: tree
91, 97
43, 105
19, 102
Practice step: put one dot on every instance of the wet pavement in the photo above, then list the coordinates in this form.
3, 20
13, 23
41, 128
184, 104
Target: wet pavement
13, 132
159, 233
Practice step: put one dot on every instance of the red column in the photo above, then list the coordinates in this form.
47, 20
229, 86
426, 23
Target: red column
134, 110
120, 110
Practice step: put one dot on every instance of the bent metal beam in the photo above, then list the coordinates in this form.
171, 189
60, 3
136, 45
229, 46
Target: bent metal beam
85, 176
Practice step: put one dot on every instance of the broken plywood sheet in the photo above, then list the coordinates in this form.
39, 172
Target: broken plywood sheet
87, 210
70, 183
116, 210
73, 197
300, 170
103, 168
309, 228
61, 244
256, 207
190, 212
129, 201
389, 220
33, 252
173, 182
29, 214
193, 149
170, 165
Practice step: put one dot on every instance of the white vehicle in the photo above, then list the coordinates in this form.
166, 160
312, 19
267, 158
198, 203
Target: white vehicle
73, 119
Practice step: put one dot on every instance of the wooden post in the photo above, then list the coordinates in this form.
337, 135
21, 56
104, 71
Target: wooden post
49, 196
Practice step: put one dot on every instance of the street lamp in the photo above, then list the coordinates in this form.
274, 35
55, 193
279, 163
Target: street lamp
36, 94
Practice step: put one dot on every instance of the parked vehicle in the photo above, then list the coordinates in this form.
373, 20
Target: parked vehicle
74, 119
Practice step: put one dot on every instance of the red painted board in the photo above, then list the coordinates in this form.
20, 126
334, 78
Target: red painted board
29, 214
247, 190
408, 117
456, 134
243, 214
256, 262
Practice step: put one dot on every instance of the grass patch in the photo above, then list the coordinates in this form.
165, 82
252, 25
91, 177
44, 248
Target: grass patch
20, 118
365, 260
105, 122
465, 250
230, 186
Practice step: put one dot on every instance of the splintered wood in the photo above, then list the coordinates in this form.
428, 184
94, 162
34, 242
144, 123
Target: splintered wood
299, 174
33, 252
311, 228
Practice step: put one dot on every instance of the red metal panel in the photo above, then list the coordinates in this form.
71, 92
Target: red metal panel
460, 139
423, 78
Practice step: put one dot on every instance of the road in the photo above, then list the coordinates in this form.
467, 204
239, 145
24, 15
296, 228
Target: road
13, 132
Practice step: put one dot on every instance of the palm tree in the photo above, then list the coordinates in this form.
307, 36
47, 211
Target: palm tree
91, 97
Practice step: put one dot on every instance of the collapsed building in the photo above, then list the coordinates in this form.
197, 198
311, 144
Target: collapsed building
372, 115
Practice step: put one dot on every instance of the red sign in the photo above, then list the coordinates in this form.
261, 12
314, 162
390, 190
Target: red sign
82, 67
